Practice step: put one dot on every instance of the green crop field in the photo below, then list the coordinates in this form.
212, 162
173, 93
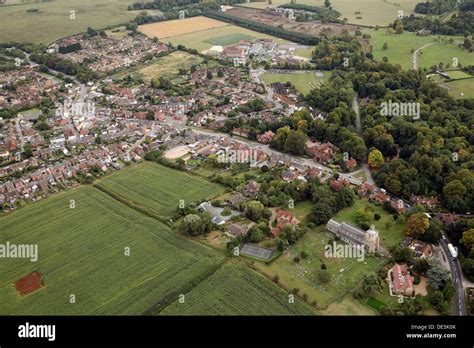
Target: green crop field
401, 47
53, 20
373, 12
237, 290
199, 40
229, 39
82, 252
303, 82
158, 188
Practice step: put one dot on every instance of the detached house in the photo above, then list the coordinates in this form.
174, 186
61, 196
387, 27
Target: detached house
283, 218
401, 282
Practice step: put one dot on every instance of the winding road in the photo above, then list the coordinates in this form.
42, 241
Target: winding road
415, 54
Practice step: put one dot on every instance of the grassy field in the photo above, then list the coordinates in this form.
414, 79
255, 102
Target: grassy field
82, 252
345, 272
199, 40
53, 20
229, 39
400, 49
167, 66
237, 290
388, 237
164, 30
158, 188
444, 53
303, 82
373, 12
465, 86
457, 74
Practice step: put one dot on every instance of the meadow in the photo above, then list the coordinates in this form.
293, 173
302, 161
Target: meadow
303, 81
401, 47
237, 290
373, 12
53, 20
83, 252
159, 189
167, 66
465, 86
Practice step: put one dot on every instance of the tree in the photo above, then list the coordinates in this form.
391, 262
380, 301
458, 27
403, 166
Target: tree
327, 3
468, 240
323, 276
385, 46
254, 210
416, 225
437, 275
376, 159
363, 217
295, 143
402, 255
196, 225
209, 75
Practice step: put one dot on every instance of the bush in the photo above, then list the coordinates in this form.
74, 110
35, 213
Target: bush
296, 259
377, 216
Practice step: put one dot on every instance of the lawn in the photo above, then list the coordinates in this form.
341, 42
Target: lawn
458, 74
82, 252
53, 21
388, 237
345, 272
373, 12
466, 87
303, 81
167, 66
199, 40
445, 53
400, 48
159, 189
237, 290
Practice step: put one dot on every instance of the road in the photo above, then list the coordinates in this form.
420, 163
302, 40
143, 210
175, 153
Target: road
19, 132
358, 125
415, 55
460, 307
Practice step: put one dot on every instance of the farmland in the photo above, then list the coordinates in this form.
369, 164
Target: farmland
303, 81
159, 189
53, 20
164, 30
82, 252
401, 46
229, 39
237, 290
373, 12
200, 40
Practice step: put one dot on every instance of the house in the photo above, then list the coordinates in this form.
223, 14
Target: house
336, 185
355, 236
283, 218
365, 189
421, 249
234, 200
266, 137
236, 230
429, 202
321, 152
250, 190
350, 163
401, 282
398, 205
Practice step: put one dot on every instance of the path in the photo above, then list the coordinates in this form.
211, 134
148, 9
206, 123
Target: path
415, 54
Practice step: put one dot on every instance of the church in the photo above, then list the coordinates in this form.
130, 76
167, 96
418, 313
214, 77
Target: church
355, 236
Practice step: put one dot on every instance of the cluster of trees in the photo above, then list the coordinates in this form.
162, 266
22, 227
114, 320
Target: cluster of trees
327, 202
54, 62
301, 38
338, 53
460, 24
167, 5
196, 224
288, 140
435, 7
317, 13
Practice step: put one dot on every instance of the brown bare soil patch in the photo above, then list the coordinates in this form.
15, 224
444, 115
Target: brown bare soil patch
29, 283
